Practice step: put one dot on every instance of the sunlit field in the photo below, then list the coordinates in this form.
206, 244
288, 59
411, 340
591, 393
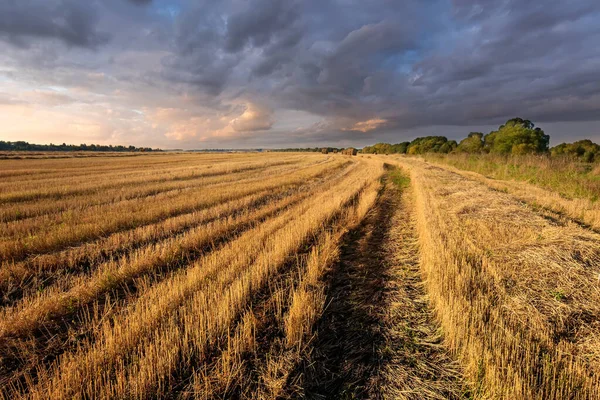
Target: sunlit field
293, 275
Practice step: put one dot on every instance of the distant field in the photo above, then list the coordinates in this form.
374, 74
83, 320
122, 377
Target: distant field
291, 275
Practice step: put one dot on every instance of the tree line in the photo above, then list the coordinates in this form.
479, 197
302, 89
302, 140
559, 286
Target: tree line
308, 149
516, 136
25, 146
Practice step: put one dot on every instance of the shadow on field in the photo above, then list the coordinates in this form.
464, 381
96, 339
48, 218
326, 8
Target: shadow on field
348, 352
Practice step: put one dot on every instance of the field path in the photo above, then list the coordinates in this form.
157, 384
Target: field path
377, 337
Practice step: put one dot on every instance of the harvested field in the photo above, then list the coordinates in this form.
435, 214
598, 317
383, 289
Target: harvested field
126, 276
291, 275
516, 293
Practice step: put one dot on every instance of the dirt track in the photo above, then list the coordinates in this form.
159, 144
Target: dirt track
377, 337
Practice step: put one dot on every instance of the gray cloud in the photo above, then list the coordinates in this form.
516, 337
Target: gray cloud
69, 21
518, 59
258, 22
363, 70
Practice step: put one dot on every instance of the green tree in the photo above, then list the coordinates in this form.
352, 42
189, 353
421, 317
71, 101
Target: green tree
471, 144
386, 148
383, 148
586, 150
517, 136
400, 148
431, 144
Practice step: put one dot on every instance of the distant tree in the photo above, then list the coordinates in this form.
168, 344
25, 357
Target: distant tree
307, 149
386, 148
471, 144
24, 146
400, 148
448, 147
517, 136
585, 150
379, 148
431, 144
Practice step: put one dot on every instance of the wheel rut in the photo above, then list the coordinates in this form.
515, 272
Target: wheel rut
377, 337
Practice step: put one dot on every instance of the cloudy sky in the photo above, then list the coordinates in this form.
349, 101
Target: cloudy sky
278, 73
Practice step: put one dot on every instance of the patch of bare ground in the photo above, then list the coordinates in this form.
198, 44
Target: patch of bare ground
377, 337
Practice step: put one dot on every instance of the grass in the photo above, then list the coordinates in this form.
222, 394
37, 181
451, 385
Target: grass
399, 178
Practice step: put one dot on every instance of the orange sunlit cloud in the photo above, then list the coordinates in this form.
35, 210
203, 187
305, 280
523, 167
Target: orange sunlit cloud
368, 125
185, 124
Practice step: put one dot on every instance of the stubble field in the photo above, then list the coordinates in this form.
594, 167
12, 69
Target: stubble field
288, 275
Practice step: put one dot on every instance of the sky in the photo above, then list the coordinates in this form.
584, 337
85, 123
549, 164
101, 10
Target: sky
197, 74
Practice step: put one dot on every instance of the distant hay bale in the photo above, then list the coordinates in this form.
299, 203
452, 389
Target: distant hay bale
350, 151
324, 150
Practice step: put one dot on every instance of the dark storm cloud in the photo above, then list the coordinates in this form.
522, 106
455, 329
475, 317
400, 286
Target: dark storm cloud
364, 69
199, 59
523, 62
212, 40
258, 22
70, 21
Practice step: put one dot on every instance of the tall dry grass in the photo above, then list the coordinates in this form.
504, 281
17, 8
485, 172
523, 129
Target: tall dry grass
172, 285
517, 294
